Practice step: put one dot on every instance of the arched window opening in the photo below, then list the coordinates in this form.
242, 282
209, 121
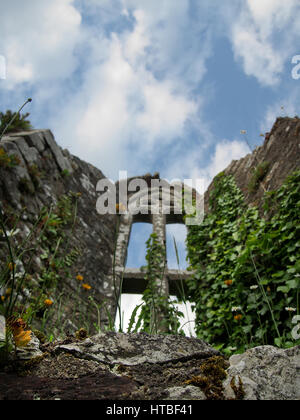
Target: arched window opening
133, 278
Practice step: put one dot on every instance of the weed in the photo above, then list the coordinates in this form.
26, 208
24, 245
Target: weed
258, 176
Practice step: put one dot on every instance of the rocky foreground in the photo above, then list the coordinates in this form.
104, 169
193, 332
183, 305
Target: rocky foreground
119, 366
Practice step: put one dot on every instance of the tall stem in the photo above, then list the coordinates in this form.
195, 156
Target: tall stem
14, 117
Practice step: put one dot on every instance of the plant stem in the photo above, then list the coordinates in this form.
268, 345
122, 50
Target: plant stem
258, 279
14, 117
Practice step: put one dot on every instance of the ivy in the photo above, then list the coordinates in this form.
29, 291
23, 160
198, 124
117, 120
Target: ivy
247, 269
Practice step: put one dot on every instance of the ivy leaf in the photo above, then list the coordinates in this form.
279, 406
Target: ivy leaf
236, 236
283, 289
292, 284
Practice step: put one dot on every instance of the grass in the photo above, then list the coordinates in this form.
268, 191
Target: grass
258, 176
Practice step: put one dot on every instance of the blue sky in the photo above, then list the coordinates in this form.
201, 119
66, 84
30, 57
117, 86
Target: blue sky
152, 85
142, 85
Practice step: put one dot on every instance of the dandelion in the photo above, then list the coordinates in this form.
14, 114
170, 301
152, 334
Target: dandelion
79, 277
289, 309
254, 287
86, 286
21, 336
22, 339
228, 282
238, 317
48, 302
236, 309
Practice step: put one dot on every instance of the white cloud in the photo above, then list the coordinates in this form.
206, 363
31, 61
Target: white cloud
121, 103
263, 35
200, 163
287, 106
270, 13
126, 98
111, 98
259, 58
137, 40
38, 40
164, 113
225, 153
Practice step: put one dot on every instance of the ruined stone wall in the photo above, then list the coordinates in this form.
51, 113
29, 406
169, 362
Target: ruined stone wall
280, 150
43, 175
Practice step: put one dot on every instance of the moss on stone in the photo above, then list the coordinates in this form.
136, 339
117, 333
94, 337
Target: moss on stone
211, 380
238, 390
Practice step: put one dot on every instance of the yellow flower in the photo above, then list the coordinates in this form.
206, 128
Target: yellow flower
79, 277
22, 339
17, 327
86, 286
2, 298
238, 317
8, 292
48, 302
228, 282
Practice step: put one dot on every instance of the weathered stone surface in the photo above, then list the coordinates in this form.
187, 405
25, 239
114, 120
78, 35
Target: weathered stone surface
188, 392
29, 154
30, 351
139, 366
136, 349
267, 373
44, 175
281, 149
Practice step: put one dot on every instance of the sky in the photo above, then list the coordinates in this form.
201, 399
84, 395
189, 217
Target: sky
152, 85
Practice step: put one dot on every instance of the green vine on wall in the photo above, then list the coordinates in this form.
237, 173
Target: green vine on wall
247, 268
